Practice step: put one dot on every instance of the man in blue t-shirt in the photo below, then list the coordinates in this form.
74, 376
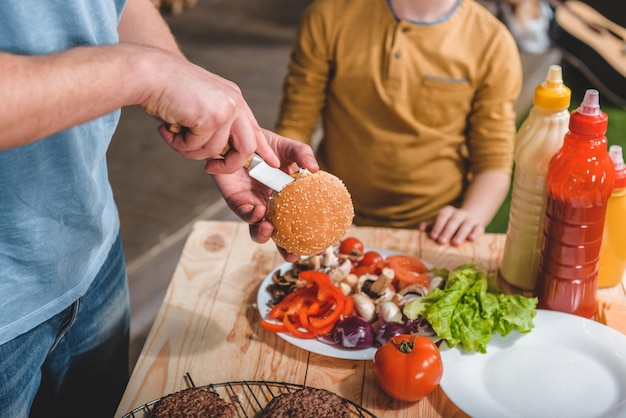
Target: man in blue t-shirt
67, 67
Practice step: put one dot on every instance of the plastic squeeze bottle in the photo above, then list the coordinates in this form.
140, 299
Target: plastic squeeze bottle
539, 137
613, 248
580, 180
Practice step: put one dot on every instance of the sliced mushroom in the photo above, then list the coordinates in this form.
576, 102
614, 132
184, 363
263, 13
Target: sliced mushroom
346, 289
330, 259
411, 292
283, 284
379, 288
383, 281
436, 282
284, 279
389, 312
417, 289
309, 263
364, 282
388, 294
364, 306
340, 272
351, 280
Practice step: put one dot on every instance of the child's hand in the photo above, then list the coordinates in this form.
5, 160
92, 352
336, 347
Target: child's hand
454, 226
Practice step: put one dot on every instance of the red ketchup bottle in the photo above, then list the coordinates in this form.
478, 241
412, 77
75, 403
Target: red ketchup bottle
580, 180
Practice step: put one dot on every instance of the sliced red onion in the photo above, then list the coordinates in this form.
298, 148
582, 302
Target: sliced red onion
354, 332
388, 330
419, 326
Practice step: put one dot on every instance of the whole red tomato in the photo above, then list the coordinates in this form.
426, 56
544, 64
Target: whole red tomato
408, 367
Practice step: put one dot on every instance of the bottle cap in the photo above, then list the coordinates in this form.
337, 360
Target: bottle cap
615, 152
552, 93
589, 119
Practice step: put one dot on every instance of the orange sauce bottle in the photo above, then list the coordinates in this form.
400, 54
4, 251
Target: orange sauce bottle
580, 179
613, 249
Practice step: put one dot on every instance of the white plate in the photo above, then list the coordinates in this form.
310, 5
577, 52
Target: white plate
315, 346
567, 366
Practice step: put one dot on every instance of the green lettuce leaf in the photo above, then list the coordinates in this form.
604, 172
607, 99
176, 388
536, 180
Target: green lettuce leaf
469, 309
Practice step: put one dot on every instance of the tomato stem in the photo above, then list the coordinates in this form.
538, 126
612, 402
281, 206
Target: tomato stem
407, 346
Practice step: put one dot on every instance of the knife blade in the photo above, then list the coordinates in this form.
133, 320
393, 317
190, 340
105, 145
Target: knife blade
264, 173
261, 171
256, 166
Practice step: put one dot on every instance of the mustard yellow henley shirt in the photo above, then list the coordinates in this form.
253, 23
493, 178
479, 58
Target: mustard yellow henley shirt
408, 110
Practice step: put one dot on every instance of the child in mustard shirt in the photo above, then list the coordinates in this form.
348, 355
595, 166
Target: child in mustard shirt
415, 99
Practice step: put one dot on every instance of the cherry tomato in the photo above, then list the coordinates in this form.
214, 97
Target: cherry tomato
371, 262
351, 246
408, 367
370, 258
361, 270
408, 269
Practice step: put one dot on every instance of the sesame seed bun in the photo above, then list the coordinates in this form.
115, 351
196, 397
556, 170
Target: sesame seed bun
310, 214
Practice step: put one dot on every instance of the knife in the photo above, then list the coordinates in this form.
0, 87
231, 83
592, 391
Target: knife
256, 166
262, 172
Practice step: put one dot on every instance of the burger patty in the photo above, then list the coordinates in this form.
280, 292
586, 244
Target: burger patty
306, 403
193, 403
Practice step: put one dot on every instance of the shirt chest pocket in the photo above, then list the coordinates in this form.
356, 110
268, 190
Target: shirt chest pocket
443, 101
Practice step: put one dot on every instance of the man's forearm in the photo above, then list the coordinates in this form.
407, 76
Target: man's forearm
81, 84
64, 89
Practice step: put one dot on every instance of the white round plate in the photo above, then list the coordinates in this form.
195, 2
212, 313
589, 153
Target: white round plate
315, 346
567, 366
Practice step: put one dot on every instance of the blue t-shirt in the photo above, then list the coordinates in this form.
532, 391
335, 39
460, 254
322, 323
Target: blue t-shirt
58, 218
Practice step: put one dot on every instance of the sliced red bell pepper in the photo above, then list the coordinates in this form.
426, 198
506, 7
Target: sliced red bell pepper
314, 276
294, 329
272, 326
310, 311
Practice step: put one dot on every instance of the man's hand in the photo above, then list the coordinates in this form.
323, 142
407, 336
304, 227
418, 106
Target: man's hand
211, 111
248, 198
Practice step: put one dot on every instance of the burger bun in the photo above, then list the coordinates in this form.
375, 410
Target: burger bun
311, 213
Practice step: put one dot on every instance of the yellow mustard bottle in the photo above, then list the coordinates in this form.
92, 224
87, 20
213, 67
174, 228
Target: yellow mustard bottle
539, 137
612, 261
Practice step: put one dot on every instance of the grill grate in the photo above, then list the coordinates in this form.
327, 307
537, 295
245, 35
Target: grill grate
250, 396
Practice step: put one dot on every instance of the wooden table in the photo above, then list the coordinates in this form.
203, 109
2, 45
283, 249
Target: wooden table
208, 324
